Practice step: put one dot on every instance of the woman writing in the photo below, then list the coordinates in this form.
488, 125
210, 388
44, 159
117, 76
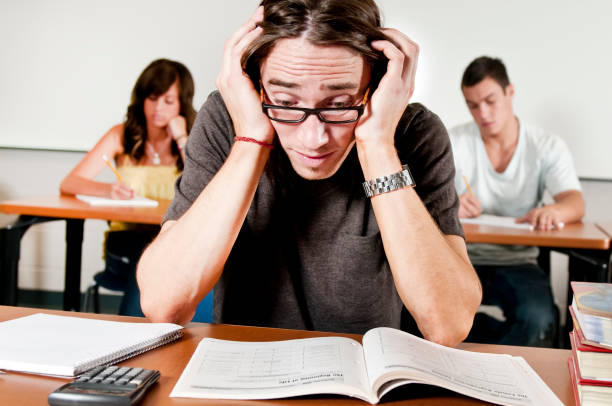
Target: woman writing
147, 149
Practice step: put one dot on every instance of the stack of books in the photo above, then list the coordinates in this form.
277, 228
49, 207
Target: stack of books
590, 365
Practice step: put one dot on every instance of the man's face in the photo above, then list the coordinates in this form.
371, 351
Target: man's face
299, 74
490, 106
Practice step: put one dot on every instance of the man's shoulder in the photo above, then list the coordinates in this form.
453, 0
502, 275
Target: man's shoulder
465, 130
539, 138
419, 119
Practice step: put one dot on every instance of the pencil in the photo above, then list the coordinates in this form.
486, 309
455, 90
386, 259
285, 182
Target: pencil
105, 158
467, 184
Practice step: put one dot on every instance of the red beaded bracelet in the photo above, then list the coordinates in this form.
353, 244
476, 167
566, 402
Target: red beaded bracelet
253, 140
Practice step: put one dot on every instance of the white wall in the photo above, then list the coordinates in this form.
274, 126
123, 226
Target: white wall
69, 65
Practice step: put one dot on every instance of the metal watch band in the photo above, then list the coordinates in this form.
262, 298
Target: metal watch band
388, 183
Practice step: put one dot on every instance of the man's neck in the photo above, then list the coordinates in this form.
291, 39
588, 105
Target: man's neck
501, 147
506, 138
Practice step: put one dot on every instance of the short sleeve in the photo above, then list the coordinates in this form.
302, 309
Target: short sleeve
206, 150
558, 170
423, 143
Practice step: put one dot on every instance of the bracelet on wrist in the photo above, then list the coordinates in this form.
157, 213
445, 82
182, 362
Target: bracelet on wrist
178, 145
388, 183
253, 140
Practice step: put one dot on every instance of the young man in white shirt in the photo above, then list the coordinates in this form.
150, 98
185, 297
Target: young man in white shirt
509, 164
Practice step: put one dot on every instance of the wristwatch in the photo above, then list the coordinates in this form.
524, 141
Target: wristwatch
388, 183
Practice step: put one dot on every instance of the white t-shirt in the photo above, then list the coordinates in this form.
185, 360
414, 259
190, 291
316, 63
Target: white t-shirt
542, 162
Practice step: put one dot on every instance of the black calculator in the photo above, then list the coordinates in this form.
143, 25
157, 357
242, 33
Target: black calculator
110, 385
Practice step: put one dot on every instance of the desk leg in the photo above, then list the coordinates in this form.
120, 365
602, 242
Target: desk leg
10, 250
10, 247
72, 281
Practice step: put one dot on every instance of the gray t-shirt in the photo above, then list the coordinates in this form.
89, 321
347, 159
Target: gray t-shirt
310, 254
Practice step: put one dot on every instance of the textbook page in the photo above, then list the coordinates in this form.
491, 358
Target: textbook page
221, 369
395, 357
136, 201
498, 221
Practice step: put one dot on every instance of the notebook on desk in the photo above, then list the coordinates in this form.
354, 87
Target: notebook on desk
498, 221
137, 201
67, 346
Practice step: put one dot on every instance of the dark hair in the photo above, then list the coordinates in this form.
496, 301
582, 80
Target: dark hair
155, 80
351, 23
484, 67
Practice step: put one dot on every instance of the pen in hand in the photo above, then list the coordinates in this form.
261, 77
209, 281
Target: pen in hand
106, 160
467, 184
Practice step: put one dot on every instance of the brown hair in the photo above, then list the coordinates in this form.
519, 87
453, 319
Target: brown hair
351, 23
485, 67
155, 80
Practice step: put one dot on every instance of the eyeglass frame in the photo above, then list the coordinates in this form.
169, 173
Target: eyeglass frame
307, 112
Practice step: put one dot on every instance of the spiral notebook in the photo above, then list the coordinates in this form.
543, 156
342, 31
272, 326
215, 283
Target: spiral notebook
68, 346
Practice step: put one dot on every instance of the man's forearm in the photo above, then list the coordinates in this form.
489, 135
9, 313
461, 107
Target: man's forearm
570, 205
433, 277
185, 261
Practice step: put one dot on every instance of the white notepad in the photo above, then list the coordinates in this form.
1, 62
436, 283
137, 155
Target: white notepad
137, 201
499, 221
67, 346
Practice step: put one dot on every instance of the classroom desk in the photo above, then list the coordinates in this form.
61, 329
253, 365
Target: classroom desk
575, 235
606, 227
34, 210
587, 245
24, 389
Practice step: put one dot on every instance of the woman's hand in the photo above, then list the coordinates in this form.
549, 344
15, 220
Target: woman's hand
239, 94
177, 128
387, 104
121, 191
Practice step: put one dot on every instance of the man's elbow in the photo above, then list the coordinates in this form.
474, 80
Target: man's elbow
450, 327
449, 333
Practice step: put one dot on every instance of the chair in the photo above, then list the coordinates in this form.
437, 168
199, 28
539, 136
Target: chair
108, 278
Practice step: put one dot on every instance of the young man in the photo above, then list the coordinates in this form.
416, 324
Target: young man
509, 164
270, 210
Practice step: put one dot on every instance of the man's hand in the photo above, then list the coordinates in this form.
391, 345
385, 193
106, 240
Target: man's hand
543, 218
389, 100
238, 92
469, 206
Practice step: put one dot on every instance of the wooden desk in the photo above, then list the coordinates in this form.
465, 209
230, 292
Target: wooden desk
586, 244
35, 210
606, 227
23, 389
575, 235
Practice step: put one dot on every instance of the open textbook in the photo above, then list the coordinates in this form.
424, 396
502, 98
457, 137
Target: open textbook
68, 346
388, 358
499, 221
136, 201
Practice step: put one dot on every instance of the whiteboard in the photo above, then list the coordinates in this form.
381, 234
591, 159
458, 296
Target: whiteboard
68, 66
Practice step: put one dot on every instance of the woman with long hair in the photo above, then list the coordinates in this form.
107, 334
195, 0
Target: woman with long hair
147, 149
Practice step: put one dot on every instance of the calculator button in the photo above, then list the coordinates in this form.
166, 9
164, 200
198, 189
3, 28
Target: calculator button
140, 378
133, 372
108, 371
91, 372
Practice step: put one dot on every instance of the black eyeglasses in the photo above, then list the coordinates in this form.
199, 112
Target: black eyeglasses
332, 115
